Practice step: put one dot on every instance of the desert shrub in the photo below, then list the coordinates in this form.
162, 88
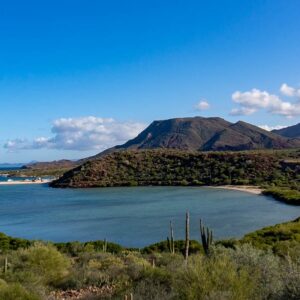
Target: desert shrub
16, 292
214, 277
97, 269
283, 239
41, 264
168, 260
163, 246
135, 264
76, 248
263, 267
147, 289
154, 283
230, 243
70, 248
290, 196
10, 243
287, 248
290, 275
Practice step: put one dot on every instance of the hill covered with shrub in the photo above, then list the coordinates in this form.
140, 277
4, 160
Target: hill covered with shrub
173, 167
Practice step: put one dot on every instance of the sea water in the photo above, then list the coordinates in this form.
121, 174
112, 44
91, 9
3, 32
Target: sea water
133, 216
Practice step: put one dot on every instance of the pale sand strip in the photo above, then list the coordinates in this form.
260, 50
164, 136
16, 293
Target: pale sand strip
24, 182
243, 188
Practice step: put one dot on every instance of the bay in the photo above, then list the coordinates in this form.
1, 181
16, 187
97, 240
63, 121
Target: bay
133, 216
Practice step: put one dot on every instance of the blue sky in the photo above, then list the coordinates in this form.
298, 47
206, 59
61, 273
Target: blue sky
79, 76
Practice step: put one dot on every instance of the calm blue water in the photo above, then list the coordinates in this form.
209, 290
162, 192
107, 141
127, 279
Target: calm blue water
135, 216
4, 178
7, 168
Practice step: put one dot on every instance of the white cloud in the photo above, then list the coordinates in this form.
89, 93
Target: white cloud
254, 100
85, 133
243, 111
270, 128
202, 105
289, 91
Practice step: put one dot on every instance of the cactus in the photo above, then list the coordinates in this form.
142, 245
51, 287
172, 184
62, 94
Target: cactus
169, 244
5, 264
206, 237
153, 263
187, 236
171, 240
128, 298
104, 246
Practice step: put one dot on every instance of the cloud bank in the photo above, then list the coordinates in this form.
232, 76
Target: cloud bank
255, 99
85, 133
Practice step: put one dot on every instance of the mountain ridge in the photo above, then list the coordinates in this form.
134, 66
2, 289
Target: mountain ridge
290, 131
204, 134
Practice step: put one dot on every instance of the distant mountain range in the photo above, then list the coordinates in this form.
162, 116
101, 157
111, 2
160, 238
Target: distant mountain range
290, 132
10, 165
196, 134
206, 134
57, 164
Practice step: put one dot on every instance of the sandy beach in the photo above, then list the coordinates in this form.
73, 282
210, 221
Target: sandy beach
16, 182
243, 188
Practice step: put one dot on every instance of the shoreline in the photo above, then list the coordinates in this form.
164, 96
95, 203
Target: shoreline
18, 182
242, 188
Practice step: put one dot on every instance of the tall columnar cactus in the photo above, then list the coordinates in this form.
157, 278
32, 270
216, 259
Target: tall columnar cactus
206, 237
104, 246
171, 241
187, 236
128, 298
5, 264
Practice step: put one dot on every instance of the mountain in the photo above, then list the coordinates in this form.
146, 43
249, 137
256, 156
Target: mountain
244, 136
57, 164
204, 134
290, 132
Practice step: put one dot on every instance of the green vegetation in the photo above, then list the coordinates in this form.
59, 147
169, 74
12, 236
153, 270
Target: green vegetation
287, 195
56, 172
263, 265
266, 168
173, 167
283, 239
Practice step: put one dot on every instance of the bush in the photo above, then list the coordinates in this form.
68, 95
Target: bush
43, 262
291, 278
263, 267
16, 292
283, 239
287, 195
215, 277
163, 246
154, 284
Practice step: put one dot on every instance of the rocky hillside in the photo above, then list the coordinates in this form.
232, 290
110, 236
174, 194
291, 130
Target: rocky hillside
205, 134
290, 132
57, 164
173, 167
